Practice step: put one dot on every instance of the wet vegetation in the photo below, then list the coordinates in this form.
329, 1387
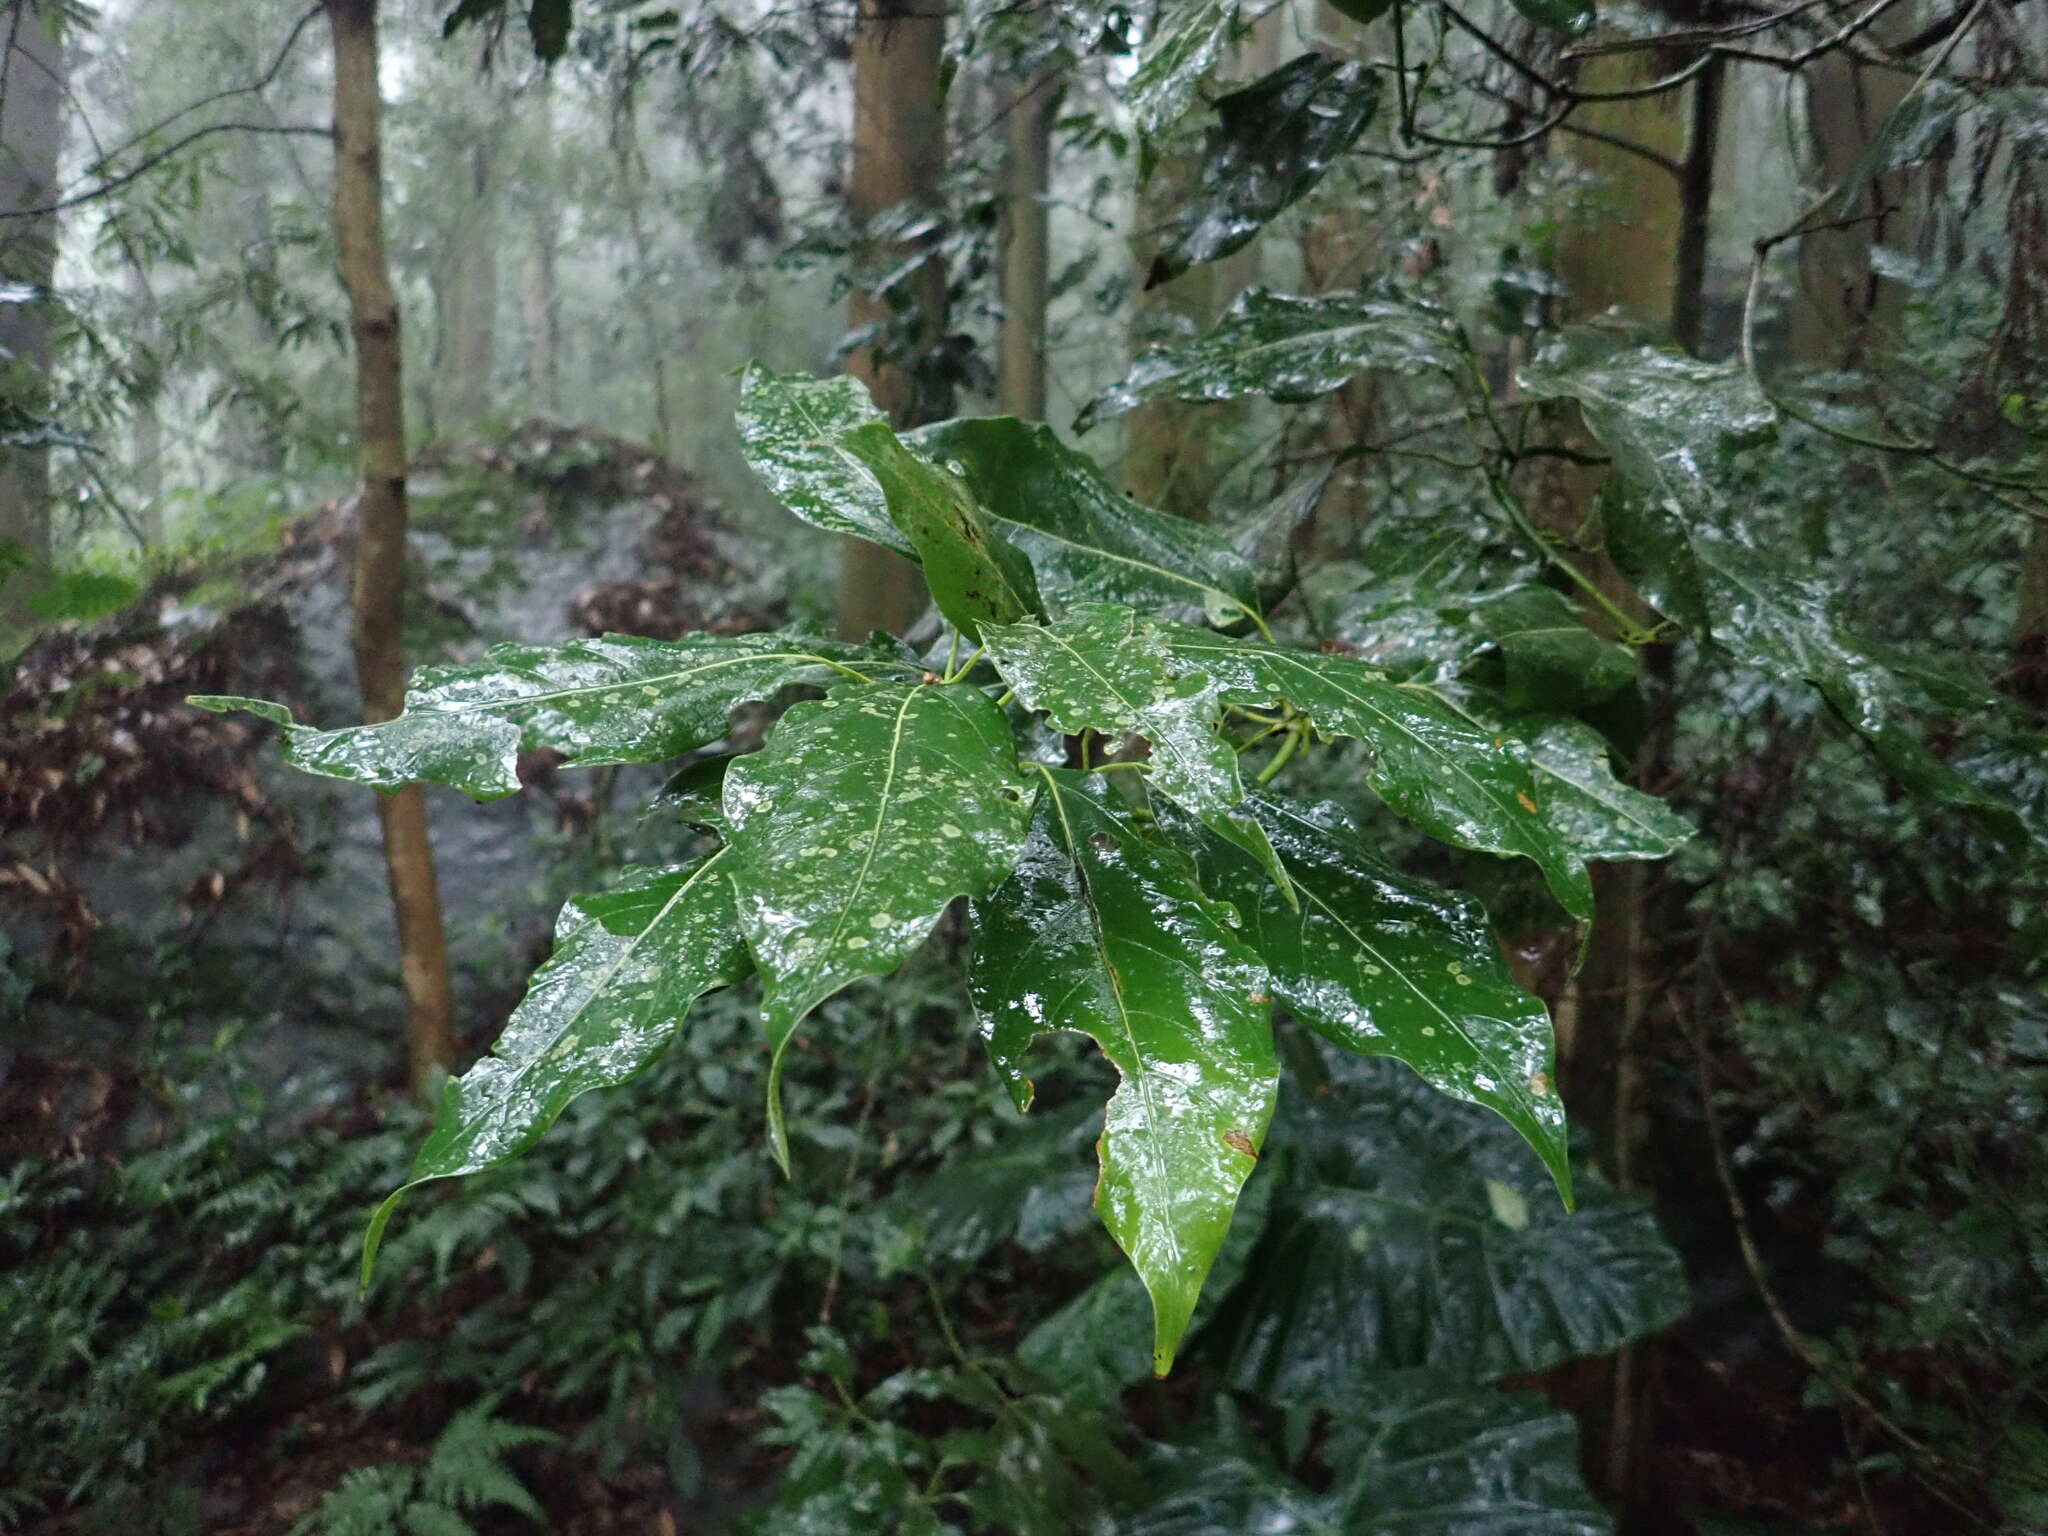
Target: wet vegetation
1168, 769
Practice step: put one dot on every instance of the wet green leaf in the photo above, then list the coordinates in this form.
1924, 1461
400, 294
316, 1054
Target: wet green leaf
1412, 1456
1288, 349
1271, 143
790, 428
1104, 669
1096, 1345
1789, 626
856, 824
1087, 540
969, 580
1386, 965
1444, 772
1673, 426
1670, 421
1104, 931
618, 699
1553, 661
1573, 17
1173, 69
1591, 809
1416, 1232
627, 965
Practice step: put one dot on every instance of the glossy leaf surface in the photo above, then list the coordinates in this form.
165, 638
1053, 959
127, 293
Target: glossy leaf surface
618, 699
790, 427
1104, 930
853, 827
1591, 809
1096, 1345
1552, 660
1790, 627
1288, 349
1104, 669
1416, 1232
1573, 17
1453, 779
1673, 426
1668, 419
936, 512
1087, 540
1417, 1456
1171, 74
1386, 965
1272, 142
627, 965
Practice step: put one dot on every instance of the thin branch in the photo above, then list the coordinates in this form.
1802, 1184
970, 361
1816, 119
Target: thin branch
143, 167
113, 184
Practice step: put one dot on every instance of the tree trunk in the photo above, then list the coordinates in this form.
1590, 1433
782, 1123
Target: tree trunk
379, 588
539, 293
1646, 258
1839, 297
1020, 369
31, 140
632, 165
466, 340
2030, 636
146, 445
899, 156
1166, 442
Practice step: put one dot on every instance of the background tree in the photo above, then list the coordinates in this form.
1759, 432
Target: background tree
378, 591
32, 72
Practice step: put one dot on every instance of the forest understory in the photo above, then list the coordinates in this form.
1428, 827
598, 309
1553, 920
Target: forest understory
1140, 769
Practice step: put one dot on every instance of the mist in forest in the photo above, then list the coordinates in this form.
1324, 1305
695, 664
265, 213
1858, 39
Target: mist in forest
1140, 768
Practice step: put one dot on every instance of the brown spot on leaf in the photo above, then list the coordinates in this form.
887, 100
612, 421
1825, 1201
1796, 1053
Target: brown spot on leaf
1240, 1141
1539, 1084
1527, 804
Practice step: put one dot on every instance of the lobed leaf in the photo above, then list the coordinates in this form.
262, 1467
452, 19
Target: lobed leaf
618, 699
969, 580
1420, 1455
1288, 349
1104, 669
1086, 540
1591, 809
1104, 931
1552, 660
1386, 965
627, 965
1436, 767
853, 827
790, 429
1271, 143
1415, 1233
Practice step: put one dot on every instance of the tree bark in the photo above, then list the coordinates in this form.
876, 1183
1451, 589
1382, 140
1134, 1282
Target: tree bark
146, 444
466, 340
1020, 366
32, 67
899, 156
1839, 297
632, 164
1646, 258
1166, 442
379, 588
539, 290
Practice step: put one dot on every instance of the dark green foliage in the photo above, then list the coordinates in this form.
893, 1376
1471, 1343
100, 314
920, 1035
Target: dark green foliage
1272, 142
